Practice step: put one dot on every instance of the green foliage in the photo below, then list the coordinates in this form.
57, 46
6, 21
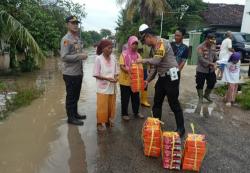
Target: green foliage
90, 38
27, 24
13, 29
105, 33
181, 13
23, 98
221, 91
125, 28
244, 98
28, 64
3, 87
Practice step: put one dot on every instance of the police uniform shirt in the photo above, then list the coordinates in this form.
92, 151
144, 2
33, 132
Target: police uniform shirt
163, 59
206, 55
70, 50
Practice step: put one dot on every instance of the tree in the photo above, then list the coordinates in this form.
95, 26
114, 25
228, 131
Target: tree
11, 29
126, 28
148, 9
105, 33
44, 20
187, 12
90, 38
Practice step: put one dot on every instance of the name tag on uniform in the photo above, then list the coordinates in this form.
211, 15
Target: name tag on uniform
173, 72
159, 53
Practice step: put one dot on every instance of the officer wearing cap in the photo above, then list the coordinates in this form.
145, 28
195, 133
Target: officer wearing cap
163, 63
206, 66
72, 56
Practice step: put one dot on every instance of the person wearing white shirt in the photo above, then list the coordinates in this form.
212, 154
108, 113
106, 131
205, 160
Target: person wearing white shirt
226, 51
231, 76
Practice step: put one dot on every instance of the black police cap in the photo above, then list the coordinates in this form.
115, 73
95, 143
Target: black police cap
72, 19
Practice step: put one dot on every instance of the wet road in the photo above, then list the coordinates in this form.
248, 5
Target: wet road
37, 139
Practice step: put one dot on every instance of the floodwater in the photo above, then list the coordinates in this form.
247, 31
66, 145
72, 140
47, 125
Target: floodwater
37, 139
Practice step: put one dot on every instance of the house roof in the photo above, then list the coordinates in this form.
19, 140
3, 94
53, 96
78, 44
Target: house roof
223, 14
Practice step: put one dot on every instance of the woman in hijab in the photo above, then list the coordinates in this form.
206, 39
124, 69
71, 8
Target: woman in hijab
105, 72
127, 58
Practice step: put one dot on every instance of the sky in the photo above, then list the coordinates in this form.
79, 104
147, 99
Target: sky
103, 14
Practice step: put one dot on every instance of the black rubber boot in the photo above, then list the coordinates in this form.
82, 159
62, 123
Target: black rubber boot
72, 119
180, 123
78, 116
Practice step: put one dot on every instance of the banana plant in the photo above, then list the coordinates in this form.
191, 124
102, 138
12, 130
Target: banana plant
12, 29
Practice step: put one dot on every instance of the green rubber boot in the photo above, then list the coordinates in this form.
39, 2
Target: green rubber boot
200, 95
207, 95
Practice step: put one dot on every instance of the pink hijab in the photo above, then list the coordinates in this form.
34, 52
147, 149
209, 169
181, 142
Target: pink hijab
129, 55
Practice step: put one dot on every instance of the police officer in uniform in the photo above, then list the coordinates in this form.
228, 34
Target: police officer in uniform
206, 66
165, 65
72, 56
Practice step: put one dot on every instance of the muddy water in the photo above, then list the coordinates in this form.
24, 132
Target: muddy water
37, 139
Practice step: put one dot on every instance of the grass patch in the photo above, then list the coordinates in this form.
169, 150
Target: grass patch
3, 87
221, 91
243, 99
24, 97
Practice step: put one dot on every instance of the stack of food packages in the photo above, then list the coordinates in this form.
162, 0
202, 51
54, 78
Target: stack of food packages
137, 77
171, 150
151, 135
194, 152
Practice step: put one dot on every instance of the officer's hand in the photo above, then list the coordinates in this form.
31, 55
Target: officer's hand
139, 61
83, 56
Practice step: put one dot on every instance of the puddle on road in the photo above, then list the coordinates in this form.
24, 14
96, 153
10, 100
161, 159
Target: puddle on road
203, 110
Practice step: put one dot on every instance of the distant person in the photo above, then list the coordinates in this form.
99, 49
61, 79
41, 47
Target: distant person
226, 51
106, 74
72, 57
127, 58
179, 48
231, 76
206, 66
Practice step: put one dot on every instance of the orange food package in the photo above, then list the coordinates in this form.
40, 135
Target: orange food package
194, 152
171, 150
137, 78
151, 136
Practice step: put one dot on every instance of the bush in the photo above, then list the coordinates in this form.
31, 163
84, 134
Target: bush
221, 91
3, 87
244, 98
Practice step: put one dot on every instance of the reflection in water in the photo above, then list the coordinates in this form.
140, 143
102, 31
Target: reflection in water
77, 161
204, 109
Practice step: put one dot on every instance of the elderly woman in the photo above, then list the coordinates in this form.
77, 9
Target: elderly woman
127, 58
105, 72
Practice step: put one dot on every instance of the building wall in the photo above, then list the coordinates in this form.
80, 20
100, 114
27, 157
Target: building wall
245, 27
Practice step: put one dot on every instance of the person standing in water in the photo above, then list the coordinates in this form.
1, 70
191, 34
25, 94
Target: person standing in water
72, 57
106, 74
